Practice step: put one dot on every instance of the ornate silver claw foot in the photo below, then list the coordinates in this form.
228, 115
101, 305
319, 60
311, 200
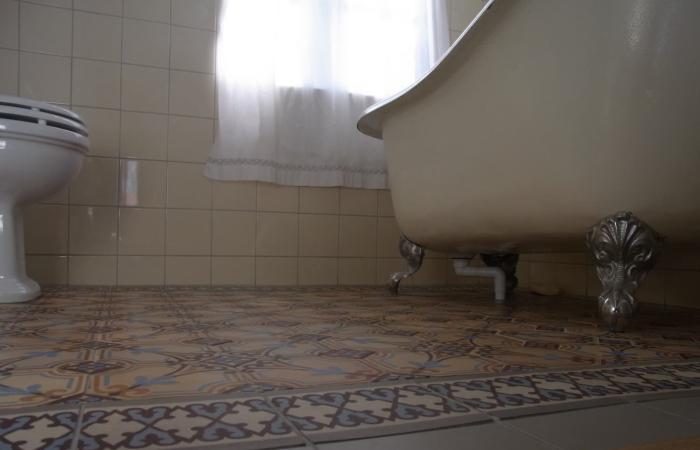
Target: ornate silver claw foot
508, 262
624, 249
413, 254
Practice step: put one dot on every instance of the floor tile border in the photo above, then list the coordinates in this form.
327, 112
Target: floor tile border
470, 416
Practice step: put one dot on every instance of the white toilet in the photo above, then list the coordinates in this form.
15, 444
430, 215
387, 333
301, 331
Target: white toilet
42, 147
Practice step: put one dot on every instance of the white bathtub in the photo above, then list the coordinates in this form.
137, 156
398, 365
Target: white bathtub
545, 117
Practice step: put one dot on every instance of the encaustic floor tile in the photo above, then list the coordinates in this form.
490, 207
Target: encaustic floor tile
246, 423
50, 429
339, 414
152, 344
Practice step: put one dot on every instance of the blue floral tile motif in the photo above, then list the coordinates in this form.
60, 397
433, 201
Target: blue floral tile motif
531, 390
177, 425
363, 408
38, 431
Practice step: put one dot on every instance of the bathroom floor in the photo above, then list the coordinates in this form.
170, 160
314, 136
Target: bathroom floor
189, 368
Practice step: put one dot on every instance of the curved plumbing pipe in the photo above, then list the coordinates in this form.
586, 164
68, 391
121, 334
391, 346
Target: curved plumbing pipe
463, 268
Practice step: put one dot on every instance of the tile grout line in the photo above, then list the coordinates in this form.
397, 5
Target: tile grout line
78, 427
493, 419
35, 3
309, 443
167, 151
509, 425
119, 140
646, 405
69, 260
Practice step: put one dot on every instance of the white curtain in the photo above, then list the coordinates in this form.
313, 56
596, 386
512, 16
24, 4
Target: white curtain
295, 75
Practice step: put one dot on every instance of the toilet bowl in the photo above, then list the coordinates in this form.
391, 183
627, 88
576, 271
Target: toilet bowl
42, 147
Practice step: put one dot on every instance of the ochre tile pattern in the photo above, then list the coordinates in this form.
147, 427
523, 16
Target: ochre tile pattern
254, 369
93, 345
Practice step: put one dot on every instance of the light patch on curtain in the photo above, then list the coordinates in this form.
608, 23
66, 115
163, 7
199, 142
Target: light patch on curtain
293, 77
308, 43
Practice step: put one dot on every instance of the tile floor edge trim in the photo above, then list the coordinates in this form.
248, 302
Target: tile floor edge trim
403, 428
390, 415
418, 381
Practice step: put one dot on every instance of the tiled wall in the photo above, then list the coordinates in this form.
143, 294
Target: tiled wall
141, 213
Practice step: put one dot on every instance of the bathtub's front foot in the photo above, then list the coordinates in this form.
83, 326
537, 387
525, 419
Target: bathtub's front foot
508, 262
413, 254
624, 249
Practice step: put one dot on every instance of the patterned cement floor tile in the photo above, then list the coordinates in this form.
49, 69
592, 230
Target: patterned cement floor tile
246, 423
362, 412
530, 392
152, 344
24, 388
40, 430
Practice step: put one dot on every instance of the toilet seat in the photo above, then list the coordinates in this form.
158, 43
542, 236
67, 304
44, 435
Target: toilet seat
32, 120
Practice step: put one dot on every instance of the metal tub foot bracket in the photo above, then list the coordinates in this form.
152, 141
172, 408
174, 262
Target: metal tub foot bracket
624, 250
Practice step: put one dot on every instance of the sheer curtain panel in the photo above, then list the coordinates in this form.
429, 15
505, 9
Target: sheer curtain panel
293, 76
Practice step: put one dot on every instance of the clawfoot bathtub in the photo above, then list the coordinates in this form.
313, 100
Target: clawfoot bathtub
550, 123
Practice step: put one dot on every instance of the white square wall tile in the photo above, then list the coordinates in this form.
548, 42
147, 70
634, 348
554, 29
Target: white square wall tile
45, 29
144, 135
273, 197
9, 24
318, 235
48, 270
358, 236
358, 202
234, 233
277, 234
96, 183
196, 14
145, 89
97, 36
46, 229
192, 94
273, 271
189, 139
193, 49
146, 43
141, 271
44, 77
103, 125
142, 183
188, 232
187, 270
188, 187
318, 271
357, 271
387, 238
96, 83
9, 72
319, 200
386, 206
92, 270
233, 271
141, 231
93, 230
113, 7
234, 195
156, 10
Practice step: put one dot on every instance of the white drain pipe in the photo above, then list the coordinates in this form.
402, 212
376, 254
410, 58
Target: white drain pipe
463, 268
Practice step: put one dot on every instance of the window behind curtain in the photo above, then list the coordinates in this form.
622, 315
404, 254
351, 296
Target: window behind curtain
293, 76
324, 43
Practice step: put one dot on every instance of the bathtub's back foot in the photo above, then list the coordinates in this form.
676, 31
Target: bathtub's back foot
413, 254
624, 249
508, 262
